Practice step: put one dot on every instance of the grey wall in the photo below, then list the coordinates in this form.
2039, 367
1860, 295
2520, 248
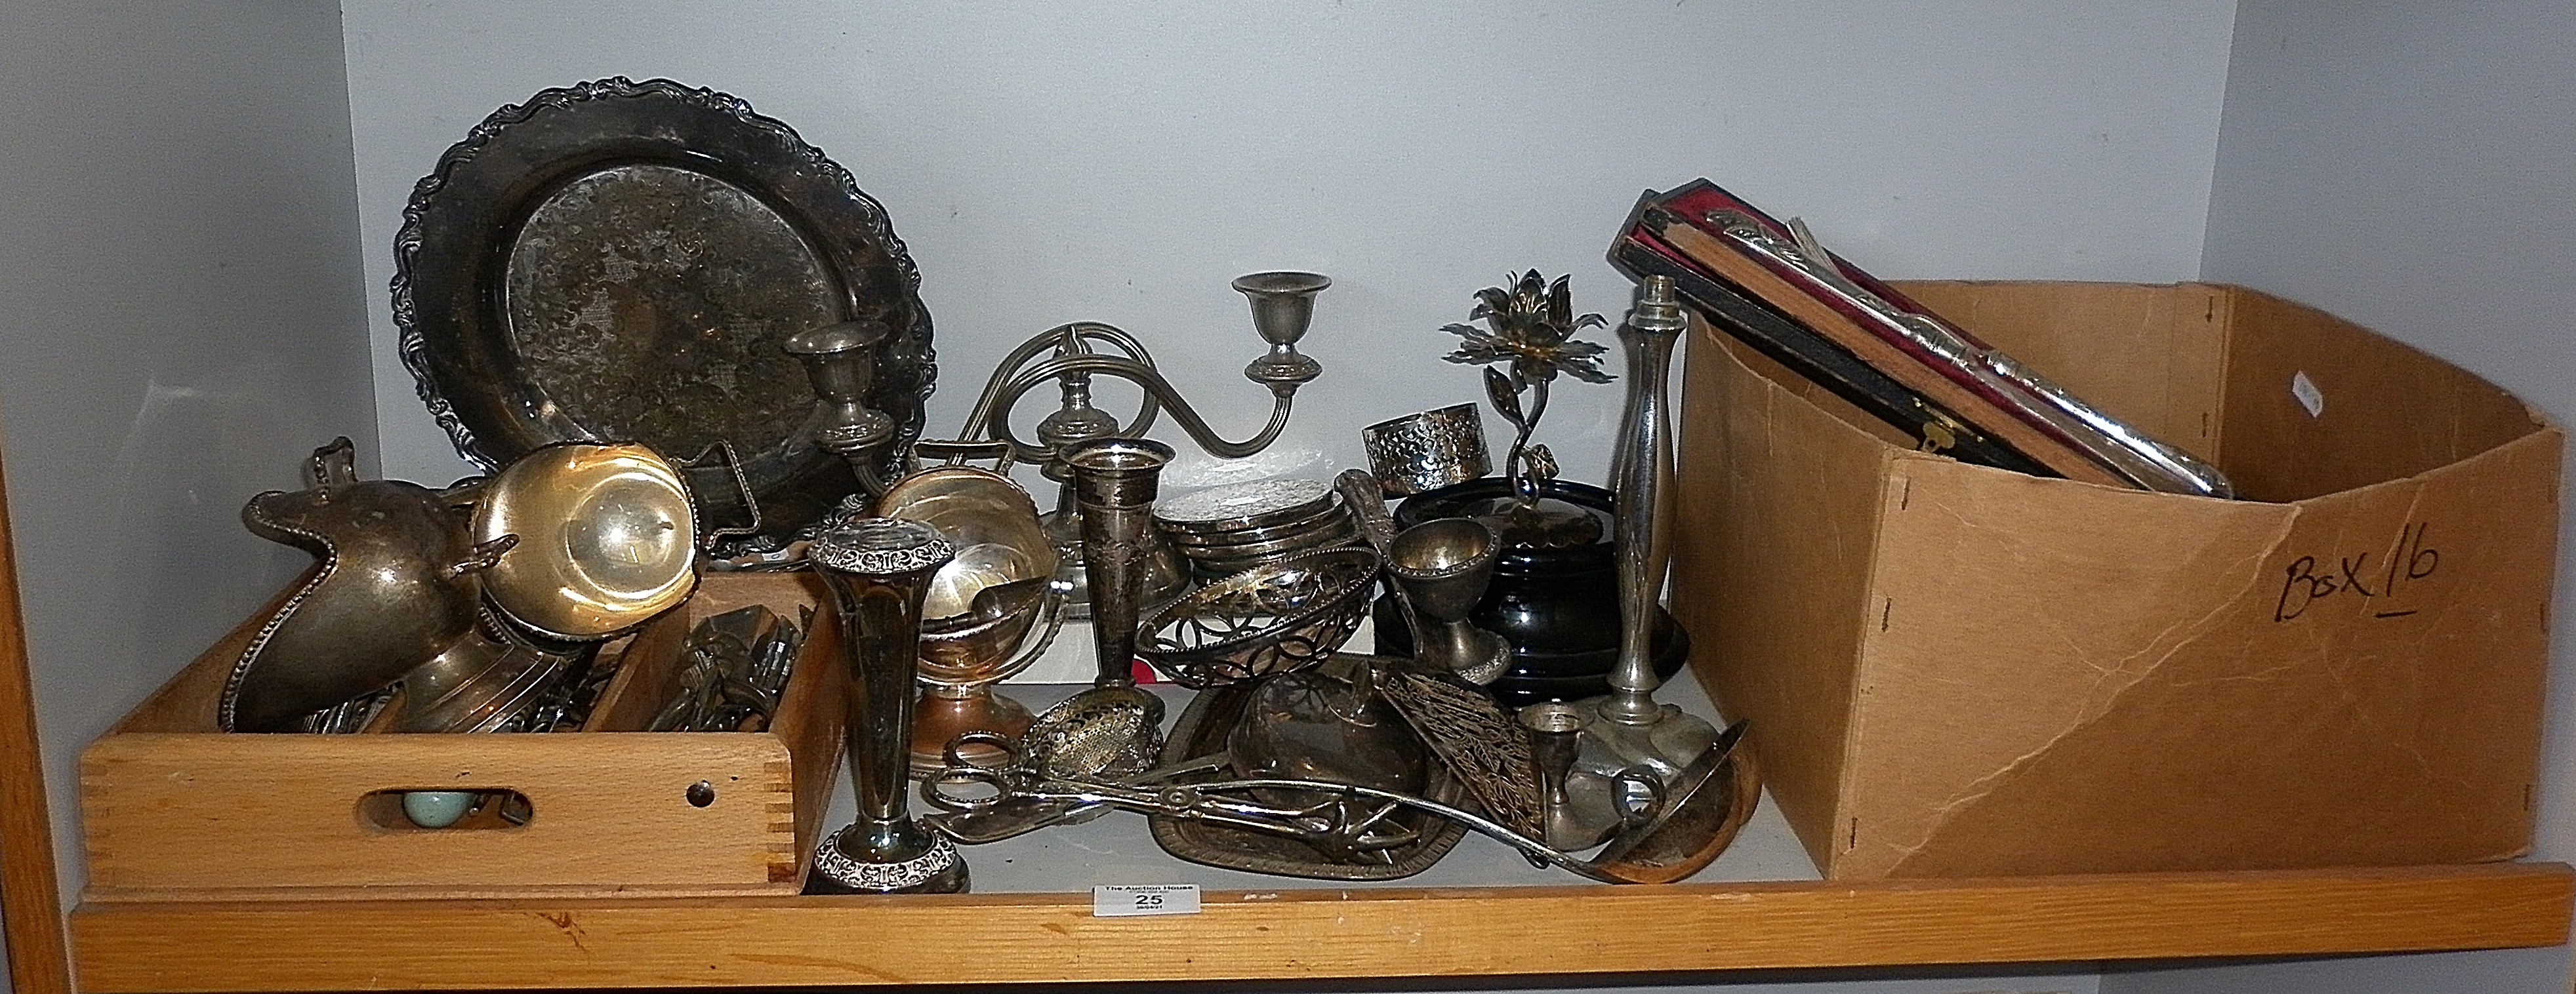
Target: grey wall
180, 322
1120, 161
2413, 166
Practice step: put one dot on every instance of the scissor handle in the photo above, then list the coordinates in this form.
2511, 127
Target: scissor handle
1637, 794
940, 789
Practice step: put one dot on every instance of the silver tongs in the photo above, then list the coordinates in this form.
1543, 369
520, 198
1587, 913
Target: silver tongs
1670, 835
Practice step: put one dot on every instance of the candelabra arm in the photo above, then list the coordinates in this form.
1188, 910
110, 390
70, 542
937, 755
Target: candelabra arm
1283, 398
864, 466
990, 417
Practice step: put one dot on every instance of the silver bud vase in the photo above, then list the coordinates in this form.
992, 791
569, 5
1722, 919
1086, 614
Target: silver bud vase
879, 571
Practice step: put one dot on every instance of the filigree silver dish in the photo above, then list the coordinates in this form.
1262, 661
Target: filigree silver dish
622, 260
1270, 619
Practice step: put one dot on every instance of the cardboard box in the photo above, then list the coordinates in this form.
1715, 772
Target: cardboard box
1954, 670
173, 809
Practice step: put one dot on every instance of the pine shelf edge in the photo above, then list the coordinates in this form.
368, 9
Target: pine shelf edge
1310, 933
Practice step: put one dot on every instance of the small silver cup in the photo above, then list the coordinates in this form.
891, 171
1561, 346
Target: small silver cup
1427, 451
1577, 810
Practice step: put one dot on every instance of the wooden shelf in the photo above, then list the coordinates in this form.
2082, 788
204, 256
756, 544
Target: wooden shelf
1311, 933
1756, 908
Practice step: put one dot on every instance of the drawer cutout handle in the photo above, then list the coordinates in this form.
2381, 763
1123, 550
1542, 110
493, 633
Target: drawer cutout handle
443, 810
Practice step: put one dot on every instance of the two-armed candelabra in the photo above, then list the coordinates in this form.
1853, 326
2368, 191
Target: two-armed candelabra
837, 362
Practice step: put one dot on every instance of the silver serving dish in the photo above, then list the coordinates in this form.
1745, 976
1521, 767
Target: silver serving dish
1229, 529
981, 607
606, 539
1216, 564
1271, 619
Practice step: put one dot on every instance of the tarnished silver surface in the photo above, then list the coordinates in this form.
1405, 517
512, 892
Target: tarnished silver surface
1683, 832
1628, 722
981, 606
1215, 562
1628, 728
992, 521
1328, 513
733, 672
1437, 572
1251, 504
395, 581
1114, 484
1427, 451
1529, 331
840, 364
621, 260
1555, 733
1365, 841
482, 682
935, 870
1443, 568
1282, 306
649, 300
1229, 529
874, 546
1330, 723
1098, 732
1481, 745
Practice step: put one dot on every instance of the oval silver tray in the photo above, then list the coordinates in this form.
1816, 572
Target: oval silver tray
618, 261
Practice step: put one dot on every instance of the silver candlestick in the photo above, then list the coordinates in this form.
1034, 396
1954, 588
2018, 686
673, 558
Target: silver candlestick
1628, 728
840, 364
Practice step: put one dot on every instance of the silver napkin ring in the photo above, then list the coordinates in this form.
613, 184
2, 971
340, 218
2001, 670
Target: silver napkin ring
1427, 451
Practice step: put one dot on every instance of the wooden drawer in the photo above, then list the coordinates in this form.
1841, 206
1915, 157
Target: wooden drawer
173, 809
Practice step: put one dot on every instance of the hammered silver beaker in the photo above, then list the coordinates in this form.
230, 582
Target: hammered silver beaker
1114, 728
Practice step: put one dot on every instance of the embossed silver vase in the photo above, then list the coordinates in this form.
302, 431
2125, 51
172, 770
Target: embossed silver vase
879, 571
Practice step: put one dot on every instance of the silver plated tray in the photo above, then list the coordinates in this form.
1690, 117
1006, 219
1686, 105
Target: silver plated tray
619, 261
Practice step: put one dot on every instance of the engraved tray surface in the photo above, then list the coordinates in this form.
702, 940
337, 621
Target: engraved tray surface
619, 261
